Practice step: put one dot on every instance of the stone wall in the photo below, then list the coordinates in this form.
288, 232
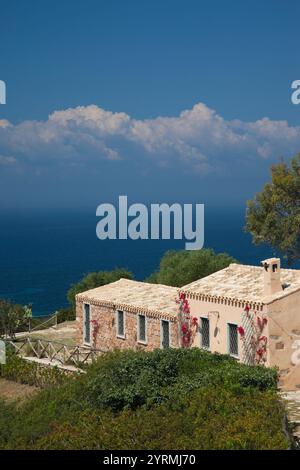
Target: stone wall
107, 338
284, 339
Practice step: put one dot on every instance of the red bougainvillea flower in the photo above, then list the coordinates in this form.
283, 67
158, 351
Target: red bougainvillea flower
185, 340
194, 321
241, 330
182, 296
184, 328
263, 338
259, 352
247, 308
265, 320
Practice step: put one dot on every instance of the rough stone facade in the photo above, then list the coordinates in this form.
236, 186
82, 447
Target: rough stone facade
217, 301
107, 338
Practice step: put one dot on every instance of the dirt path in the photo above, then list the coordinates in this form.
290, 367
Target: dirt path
12, 391
64, 332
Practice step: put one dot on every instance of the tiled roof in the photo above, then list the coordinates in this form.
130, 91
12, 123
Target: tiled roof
238, 282
155, 299
242, 282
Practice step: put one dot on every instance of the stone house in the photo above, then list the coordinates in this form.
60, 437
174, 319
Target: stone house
228, 304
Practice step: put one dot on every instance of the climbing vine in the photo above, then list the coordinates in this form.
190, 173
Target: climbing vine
95, 330
253, 337
187, 324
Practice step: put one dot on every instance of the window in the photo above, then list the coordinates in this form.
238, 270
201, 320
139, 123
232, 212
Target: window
233, 340
142, 335
205, 339
165, 334
120, 324
86, 323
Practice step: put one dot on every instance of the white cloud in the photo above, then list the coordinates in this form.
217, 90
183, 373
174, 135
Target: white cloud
7, 160
198, 138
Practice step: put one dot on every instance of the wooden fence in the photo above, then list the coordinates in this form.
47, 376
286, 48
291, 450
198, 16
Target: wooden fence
54, 351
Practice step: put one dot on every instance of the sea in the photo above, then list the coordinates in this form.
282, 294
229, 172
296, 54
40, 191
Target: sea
42, 253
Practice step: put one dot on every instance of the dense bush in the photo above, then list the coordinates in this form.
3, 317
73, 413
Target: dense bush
130, 380
66, 314
166, 399
181, 267
205, 419
19, 370
13, 318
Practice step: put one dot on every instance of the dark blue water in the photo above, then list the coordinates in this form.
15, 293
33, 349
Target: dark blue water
41, 255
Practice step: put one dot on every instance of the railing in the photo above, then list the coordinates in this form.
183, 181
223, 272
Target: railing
54, 351
34, 323
31, 324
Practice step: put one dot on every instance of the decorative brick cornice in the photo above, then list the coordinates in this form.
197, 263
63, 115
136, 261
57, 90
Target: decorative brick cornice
234, 302
127, 308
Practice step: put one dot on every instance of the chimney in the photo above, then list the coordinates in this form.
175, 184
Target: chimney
272, 283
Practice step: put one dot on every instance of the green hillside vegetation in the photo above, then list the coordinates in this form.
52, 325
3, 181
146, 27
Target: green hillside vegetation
181, 267
165, 399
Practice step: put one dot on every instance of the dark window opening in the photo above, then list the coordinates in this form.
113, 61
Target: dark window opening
87, 324
142, 328
165, 331
233, 339
205, 339
120, 323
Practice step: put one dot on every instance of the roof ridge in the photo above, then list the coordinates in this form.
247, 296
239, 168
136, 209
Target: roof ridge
146, 283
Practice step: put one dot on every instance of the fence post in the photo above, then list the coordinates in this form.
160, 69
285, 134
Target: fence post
29, 325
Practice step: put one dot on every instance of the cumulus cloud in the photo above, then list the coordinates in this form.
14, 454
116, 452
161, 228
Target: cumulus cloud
199, 139
7, 160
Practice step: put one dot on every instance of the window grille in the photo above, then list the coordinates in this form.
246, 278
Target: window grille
205, 339
87, 324
120, 323
142, 328
233, 339
165, 331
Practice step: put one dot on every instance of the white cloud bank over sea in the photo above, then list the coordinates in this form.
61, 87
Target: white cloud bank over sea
199, 139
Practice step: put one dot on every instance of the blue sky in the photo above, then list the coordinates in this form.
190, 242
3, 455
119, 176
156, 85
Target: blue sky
179, 100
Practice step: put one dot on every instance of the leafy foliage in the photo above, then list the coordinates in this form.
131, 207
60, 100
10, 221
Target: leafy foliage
181, 267
96, 279
206, 419
13, 317
19, 370
166, 399
273, 215
65, 314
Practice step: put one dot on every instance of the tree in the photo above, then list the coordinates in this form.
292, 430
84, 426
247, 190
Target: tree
178, 268
273, 215
96, 279
13, 317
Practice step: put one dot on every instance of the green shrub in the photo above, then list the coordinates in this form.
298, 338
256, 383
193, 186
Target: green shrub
129, 380
181, 267
165, 399
66, 314
22, 371
209, 418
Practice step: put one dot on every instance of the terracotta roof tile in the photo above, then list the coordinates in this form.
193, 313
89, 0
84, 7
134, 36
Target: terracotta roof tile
243, 282
135, 296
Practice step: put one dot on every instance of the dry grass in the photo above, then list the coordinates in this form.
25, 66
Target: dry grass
12, 391
64, 333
